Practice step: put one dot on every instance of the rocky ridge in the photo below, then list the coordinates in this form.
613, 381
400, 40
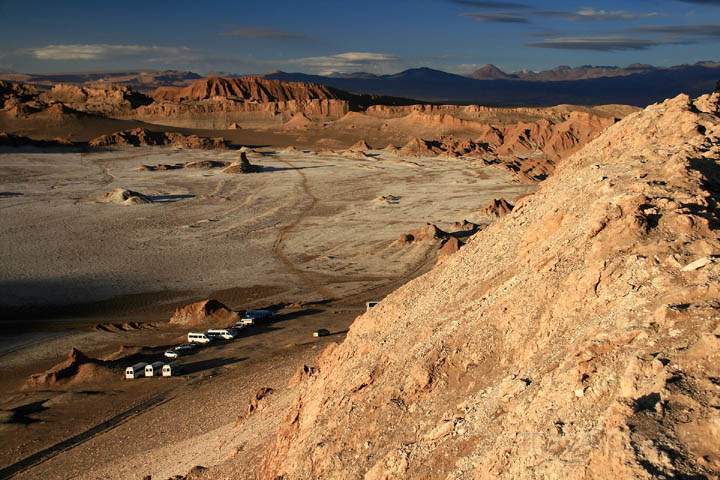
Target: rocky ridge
142, 137
576, 337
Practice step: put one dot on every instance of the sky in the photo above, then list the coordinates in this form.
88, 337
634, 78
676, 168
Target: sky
377, 36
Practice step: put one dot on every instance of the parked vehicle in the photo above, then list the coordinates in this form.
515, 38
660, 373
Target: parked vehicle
153, 369
222, 333
245, 322
198, 337
136, 371
170, 369
180, 350
322, 332
258, 315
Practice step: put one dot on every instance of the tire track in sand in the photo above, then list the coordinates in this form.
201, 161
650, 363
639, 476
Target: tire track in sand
309, 279
69, 443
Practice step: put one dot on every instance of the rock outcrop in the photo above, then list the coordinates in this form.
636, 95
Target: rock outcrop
360, 146
105, 99
210, 313
142, 137
418, 147
499, 207
10, 140
76, 368
242, 166
427, 233
125, 197
298, 121
572, 339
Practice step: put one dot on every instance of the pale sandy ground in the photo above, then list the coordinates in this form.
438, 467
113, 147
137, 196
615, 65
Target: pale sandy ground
309, 227
215, 231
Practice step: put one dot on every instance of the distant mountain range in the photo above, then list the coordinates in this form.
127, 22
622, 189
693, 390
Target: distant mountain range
634, 85
564, 73
142, 80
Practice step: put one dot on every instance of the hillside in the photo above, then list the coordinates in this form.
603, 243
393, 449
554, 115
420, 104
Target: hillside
577, 337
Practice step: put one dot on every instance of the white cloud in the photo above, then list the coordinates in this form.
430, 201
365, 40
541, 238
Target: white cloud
105, 51
593, 14
599, 15
347, 62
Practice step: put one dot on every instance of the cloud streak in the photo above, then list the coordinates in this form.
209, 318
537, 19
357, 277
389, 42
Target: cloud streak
346, 62
583, 14
106, 51
683, 30
596, 43
715, 3
264, 34
501, 17
491, 5
591, 14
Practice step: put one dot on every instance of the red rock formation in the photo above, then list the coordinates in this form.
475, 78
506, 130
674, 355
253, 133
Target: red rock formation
360, 146
205, 313
299, 121
499, 207
417, 147
143, 137
105, 99
76, 368
255, 89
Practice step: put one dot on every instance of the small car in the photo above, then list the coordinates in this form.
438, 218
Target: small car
322, 332
180, 350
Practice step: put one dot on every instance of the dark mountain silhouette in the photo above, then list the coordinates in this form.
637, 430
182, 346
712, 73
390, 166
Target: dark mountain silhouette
647, 86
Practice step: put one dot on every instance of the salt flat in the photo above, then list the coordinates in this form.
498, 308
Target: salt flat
307, 224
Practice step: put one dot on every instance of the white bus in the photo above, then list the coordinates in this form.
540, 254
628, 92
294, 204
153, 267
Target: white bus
154, 369
136, 371
170, 369
198, 337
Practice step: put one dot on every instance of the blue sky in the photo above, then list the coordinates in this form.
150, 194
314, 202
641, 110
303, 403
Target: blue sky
379, 36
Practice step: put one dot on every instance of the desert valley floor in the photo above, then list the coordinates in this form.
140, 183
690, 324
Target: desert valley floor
314, 235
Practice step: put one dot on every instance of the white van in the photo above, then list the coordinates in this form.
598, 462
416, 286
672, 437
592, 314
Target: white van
154, 369
223, 333
136, 371
170, 369
198, 337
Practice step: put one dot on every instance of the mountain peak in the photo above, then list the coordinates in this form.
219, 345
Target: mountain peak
489, 72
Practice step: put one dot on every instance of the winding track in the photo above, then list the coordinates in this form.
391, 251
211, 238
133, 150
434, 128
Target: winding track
308, 278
